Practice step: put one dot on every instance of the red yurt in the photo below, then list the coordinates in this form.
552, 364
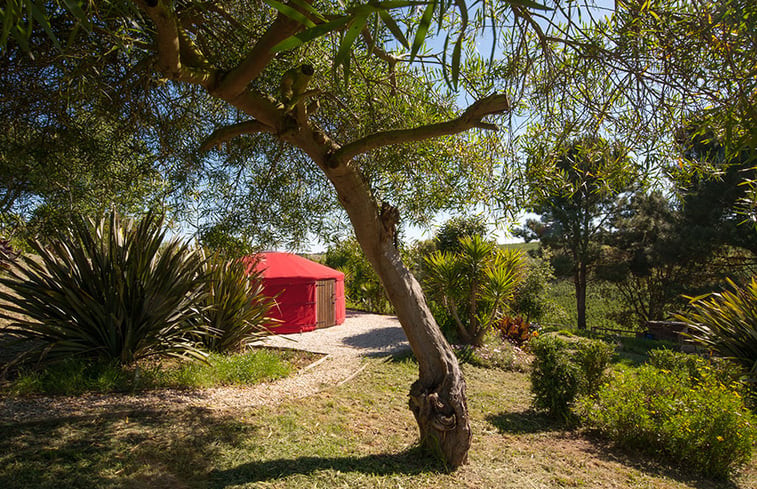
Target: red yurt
308, 295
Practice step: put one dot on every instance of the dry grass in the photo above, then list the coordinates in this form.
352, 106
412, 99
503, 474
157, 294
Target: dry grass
359, 434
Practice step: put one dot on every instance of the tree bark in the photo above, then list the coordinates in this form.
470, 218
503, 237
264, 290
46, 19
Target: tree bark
438, 398
580, 282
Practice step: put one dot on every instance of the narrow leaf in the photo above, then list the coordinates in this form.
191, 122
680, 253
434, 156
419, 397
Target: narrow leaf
530, 4
44, 21
309, 8
420, 34
75, 8
309, 34
394, 28
290, 12
356, 25
456, 52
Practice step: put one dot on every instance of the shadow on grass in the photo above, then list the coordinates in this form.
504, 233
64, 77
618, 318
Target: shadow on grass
409, 462
524, 422
124, 449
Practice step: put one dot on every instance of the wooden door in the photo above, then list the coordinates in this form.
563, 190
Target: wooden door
325, 291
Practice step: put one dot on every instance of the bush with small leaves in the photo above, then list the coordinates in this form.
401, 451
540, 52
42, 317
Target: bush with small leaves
697, 422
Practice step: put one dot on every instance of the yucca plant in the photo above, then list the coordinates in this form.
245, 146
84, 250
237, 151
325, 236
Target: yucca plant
726, 323
235, 311
112, 290
475, 284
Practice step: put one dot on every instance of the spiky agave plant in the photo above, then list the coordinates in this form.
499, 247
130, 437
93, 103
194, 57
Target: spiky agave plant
235, 310
112, 290
726, 323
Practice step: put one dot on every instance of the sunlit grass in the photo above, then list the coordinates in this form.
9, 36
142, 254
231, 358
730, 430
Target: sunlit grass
75, 376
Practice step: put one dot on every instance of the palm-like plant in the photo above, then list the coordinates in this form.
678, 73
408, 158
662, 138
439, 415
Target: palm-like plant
726, 323
113, 290
236, 310
475, 284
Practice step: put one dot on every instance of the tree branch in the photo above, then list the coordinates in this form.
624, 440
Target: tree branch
226, 133
493, 104
169, 45
259, 56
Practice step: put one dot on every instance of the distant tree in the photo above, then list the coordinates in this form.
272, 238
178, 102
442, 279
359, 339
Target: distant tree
575, 189
447, 238
688, 243
362, 286
531, 299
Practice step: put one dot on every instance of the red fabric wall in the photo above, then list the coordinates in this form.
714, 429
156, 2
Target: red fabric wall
294, 279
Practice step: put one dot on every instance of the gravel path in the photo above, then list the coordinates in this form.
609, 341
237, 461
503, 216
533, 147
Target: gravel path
345, 346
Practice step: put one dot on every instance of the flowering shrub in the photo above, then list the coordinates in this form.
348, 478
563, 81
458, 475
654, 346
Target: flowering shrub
700, 422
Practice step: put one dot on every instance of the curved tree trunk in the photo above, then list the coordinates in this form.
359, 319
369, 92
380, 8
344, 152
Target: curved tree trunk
438, 398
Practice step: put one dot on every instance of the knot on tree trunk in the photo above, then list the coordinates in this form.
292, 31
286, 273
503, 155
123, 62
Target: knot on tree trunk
390, 217
430, 407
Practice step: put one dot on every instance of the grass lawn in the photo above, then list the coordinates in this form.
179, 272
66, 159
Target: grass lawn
359, 434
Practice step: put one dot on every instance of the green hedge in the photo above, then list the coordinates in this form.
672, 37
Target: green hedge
565, 368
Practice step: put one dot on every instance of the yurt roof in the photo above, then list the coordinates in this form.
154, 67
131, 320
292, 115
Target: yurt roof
278, 265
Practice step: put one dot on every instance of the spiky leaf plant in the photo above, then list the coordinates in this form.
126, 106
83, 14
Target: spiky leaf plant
236, 310
112, 290
726, 323
475, 284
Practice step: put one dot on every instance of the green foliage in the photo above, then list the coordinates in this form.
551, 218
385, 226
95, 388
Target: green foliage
724, 371
72, 376
235, 309
603, 307
554, 378
474, 284
574, 188
447, 238
533, 297
249, 367
700, 423
726, 323
564, 369
113, 290
362, 287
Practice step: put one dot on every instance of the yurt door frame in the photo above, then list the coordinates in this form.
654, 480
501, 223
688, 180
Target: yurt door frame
325, 291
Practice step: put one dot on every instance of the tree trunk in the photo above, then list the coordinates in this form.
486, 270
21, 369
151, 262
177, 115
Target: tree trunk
580, 282
437, 399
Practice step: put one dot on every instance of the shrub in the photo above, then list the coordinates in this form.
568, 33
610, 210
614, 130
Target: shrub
563, 369
700, 422
112, 290
554, 377
235, 309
